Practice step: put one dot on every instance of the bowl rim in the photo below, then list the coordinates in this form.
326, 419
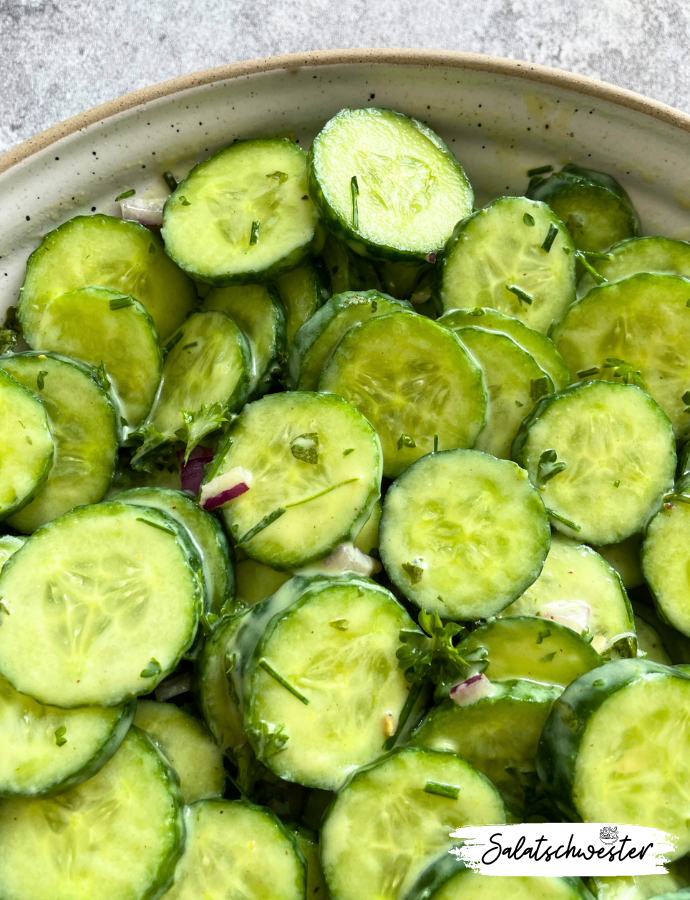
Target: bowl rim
582, 84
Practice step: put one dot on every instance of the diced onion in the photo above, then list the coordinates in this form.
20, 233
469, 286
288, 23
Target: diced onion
345, 558
472, 689
145, 212
573, 614
224, 488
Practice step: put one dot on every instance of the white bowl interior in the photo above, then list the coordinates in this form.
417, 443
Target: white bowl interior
498, 126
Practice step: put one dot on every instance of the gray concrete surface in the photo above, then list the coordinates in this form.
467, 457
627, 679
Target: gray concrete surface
58, 57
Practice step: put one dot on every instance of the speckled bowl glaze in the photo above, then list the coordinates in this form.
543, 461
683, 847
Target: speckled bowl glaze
500, 117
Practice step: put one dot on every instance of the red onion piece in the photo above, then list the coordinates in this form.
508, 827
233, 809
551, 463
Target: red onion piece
471, 690
431, 257
145, 212
224, 496
191, 474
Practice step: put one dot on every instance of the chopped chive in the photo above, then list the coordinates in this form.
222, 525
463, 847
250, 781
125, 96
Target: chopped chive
254, 236
442, 790
412, 698
125, 194
158, 525
339, 624
40, 379
188, 346
528, 220
264, 523
184, 201
585, 373
559, 518
153, 669
548, 658
120, 302
171, 343
590, 268
60, 732
170, 180
267, 667
616, 484
354, 192
405, 441
540, 170
542, 635
594, 254
522, 296
550, 238
348, 451
327, 490
221, 450
435, 443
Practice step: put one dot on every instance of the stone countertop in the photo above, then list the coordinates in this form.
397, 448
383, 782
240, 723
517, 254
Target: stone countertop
59, 57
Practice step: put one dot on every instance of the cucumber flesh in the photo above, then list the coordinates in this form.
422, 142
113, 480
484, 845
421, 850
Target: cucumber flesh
243, 215
643, 887
111, 253
28, 448
540, 348
256, 582
368, 538
414, 382
101, 603
347, 270
653, 342
99, 326
308, 843
302, 292
664, 562
624, 557
299, 509
408, 189
131, 811
602, 456
188, 747
384, 828
258, 311
463, 534
526, 647
650, 643
9, 544
578, 588
659, 255
496, 258
513, 381
84, 425
236, 849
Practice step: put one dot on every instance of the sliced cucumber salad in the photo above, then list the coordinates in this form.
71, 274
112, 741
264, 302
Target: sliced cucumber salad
336, 515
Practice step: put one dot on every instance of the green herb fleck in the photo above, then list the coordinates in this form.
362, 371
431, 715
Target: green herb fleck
267, 739
348, 451
429, 654
120, 302
102, 377
210, 417
3, 608
585, 373
522, 296
598, 683
599, 279
41, 379
442, 790
625, 372
405, 441
152, 248
686, 400
339, 624
125, 194
170, 180
305, 447
539, 387
175, 339
518, 404
189, 346
547, 467
60, 738
354, 193
559, 518
230, 663
548, 657
152, 441
435, 443
264, 523
124, 422
616, 484
550, 238
542, 635
267, 667
184, 201
528, 220
159, 525
413, 572
254, 235
540, 170
595, 254
153, 668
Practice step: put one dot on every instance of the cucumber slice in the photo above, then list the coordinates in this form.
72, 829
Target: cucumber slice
298, 510
100, 606
208, 364
602, 456
100, 326
84, 425
447, 878
526, 647
242, 215
414, 382
47, 750
392, 819
115, 837
503, 246
541, 348
111, 253
497, 734
674, 643
315, 342
236, 849
387, 184
402, 281
28, 448
324, 674
659, 255
649, 642
603, 762
642, 887
302, 292
513, 382
208, 537
664, 561
347, 270
653, 342
9, 544
258, 311
578, 588
255, 582
308, 843
188, 747
594, 207
625, 559
215, 695
368, 538
463, 534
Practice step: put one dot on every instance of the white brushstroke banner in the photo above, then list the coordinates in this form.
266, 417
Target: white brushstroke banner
561, 849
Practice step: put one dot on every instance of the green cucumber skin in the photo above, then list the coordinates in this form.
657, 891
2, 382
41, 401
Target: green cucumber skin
341, 228
565, 728
272, 273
